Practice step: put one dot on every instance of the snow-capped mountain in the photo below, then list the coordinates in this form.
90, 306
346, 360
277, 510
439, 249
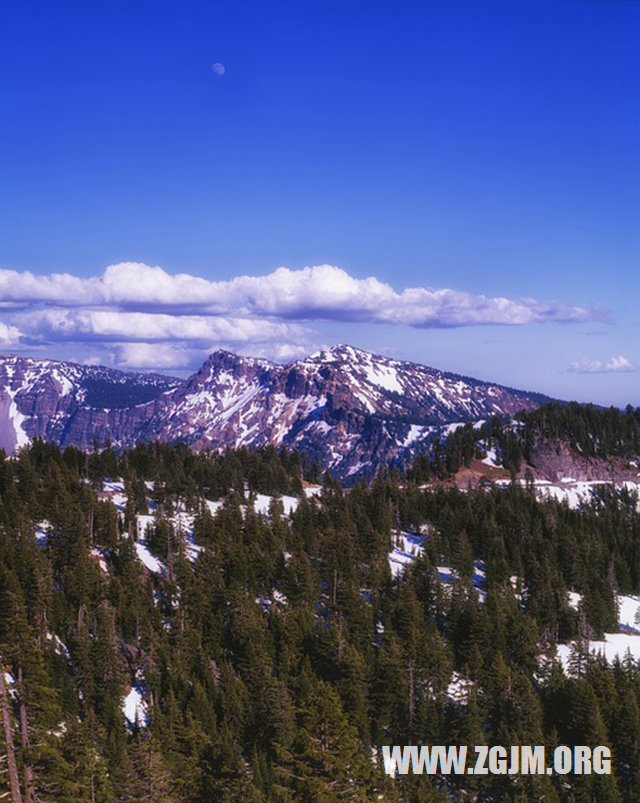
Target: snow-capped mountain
345, 407
45, 398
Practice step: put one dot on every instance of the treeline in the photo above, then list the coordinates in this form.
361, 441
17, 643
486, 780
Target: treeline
277, 663
179, 471
593, 431
589, 430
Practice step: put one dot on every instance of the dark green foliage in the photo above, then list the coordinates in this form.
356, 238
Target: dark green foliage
277, 660
588, 430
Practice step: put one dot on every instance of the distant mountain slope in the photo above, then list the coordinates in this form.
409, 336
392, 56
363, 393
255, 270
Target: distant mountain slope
42, 398
345, 407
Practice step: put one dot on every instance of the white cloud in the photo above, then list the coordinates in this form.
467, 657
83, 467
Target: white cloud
319, 292
146, 317
115, 325
328, 292
277, 352
92, 359
617, 364
9, 335
158, 356
162, 341
24, 287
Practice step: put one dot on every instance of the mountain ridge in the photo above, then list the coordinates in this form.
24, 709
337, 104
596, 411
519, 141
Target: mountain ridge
344, 407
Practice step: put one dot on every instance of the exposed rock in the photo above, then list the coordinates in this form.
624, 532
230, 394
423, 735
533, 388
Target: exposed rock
555, 460
347, 408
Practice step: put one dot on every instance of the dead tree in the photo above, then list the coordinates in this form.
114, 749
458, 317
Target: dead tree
12, 769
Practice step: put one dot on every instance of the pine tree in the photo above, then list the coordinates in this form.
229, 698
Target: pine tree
326, 761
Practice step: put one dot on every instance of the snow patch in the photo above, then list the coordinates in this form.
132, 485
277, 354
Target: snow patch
135, 706
153, 564
449, 428
100, 555
43, 531
416, 432
491, 459
59, 647
263, 502
275, 601
615, 645
629, 612
214, 507
384, 376
459, 688
407, 547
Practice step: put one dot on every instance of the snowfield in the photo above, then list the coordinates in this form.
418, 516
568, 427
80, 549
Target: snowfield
614, 645
574, 492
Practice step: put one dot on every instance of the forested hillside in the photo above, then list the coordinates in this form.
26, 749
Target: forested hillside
589, 432
200, 627
344, 407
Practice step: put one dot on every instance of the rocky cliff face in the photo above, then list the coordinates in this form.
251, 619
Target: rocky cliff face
65, 402
556, 461
349, 409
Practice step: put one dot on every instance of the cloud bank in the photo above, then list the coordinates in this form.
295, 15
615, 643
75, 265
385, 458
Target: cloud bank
617, 364
146, 314
319, 292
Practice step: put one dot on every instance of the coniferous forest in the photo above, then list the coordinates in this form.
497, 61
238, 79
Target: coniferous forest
319, 401
195, 627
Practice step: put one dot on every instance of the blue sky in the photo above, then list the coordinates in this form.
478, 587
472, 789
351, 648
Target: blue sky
476, 151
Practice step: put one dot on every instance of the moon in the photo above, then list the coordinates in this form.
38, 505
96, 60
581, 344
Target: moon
218, 68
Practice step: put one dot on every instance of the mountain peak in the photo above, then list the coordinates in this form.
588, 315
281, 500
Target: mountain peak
346, 408
342, 352
223, 357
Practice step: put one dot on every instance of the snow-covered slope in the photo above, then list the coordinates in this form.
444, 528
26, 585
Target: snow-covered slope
45, 398
344, 407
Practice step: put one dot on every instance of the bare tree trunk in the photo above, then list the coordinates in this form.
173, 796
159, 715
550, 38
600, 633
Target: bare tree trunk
12, 769
170, 553
90, 526
81, 612
29, 794
411, 701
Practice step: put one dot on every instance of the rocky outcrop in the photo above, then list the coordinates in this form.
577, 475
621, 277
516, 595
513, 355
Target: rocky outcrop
557, 461
345, 407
